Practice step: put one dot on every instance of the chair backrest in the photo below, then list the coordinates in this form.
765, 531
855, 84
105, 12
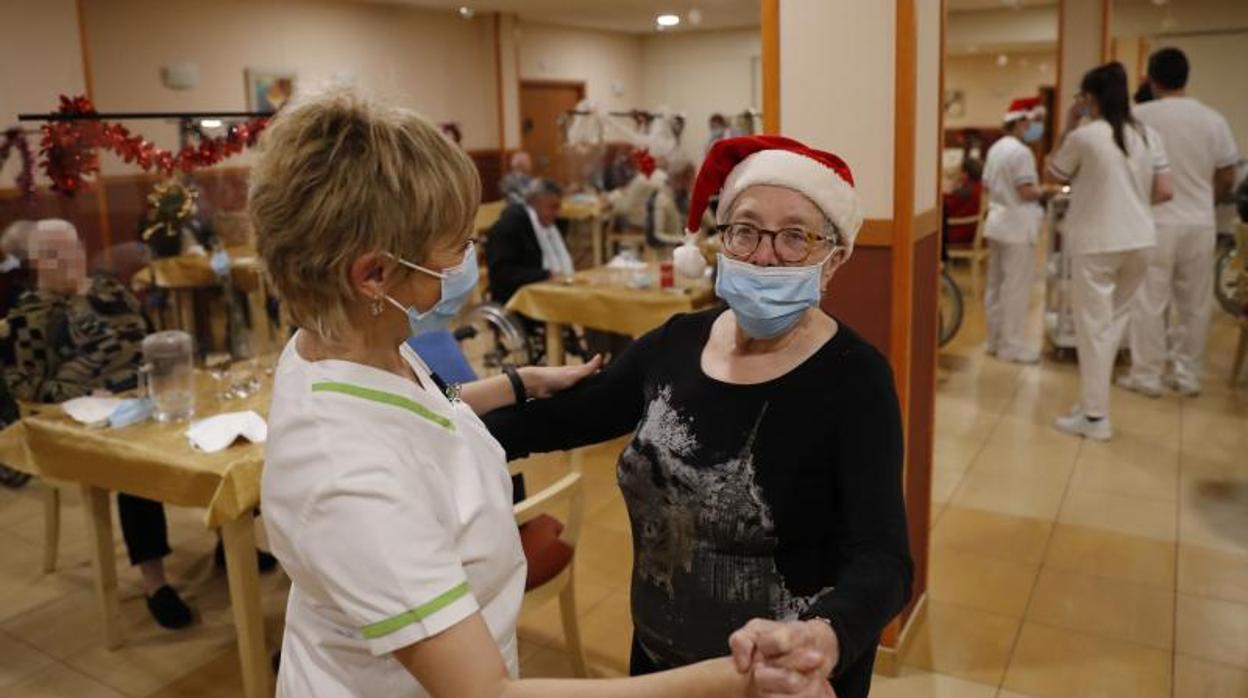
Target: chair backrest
550, 499
439, 350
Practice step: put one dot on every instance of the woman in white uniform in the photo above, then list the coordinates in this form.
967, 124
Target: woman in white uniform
388, 503
1116, 168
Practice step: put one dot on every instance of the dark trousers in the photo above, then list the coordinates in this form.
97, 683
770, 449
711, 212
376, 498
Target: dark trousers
143, 527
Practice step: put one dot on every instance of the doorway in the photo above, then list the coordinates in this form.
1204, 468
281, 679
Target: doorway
542, 102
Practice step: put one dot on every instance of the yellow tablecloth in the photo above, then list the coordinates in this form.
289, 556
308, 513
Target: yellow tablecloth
149, 460
195, 271
600, 299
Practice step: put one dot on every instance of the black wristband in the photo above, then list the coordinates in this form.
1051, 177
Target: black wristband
517, 385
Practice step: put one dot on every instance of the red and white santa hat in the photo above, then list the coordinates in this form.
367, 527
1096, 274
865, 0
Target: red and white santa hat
736, 164
1024, 108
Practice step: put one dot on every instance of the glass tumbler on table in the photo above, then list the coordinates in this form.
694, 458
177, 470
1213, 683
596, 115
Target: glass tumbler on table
169, 373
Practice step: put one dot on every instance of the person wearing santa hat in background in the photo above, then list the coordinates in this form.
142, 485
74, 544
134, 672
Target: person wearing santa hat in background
763, 477
1013, 224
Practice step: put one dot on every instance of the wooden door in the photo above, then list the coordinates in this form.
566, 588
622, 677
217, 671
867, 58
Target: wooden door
542, 103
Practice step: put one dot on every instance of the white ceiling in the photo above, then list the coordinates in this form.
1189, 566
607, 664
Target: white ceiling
635, 16
960, 5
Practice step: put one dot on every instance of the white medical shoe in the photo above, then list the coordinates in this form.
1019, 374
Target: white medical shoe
1026, 356
1077, 423
1143, 386
1183, 386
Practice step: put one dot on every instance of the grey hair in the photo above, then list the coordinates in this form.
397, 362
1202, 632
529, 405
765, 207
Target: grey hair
16, 238
541, 186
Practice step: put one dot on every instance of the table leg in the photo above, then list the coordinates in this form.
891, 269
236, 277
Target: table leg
261, 328
244, 579
554, 345
97, 506
595, 231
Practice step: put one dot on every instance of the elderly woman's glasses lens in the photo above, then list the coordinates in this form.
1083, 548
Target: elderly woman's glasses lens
790, 244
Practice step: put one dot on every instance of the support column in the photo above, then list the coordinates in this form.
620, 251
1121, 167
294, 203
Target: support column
862, 79
1082, 44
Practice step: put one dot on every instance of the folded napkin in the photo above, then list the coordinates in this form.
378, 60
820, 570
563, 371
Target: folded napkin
90, 410
216, 433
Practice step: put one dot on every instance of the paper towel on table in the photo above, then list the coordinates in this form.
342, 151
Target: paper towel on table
90, 410
216, 433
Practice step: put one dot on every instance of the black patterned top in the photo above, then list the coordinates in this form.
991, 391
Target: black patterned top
779, 500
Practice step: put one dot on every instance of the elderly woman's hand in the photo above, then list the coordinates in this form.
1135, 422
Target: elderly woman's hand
544, 381
787, 657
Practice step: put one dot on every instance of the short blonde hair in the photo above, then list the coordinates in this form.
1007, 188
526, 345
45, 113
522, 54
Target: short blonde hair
340, 176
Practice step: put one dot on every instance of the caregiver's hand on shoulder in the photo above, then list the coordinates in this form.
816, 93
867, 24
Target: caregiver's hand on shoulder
544, 381
787, 657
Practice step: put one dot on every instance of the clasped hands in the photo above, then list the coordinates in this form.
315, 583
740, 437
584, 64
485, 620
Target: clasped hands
786, 658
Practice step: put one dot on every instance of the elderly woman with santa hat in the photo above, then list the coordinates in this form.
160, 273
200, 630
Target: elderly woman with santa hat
763, 477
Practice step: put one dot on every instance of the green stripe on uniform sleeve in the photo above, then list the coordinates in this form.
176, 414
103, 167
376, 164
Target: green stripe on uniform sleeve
385, 399
384, 627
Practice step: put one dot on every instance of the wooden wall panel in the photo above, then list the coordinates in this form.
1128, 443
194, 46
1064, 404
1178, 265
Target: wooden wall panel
860, 294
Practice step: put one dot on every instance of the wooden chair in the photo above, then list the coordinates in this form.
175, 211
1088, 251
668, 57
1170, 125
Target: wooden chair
1241, 350
550, 548
51, 500
977, 252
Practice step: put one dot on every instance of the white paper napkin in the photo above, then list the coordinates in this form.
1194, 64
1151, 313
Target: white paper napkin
218, 432
89, 410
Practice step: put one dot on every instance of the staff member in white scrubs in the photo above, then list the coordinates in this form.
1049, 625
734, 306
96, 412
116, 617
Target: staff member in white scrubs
1012, 226
1116, 167
1202, 156
387, 501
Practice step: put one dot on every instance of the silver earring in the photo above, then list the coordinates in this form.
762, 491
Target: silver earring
376, 307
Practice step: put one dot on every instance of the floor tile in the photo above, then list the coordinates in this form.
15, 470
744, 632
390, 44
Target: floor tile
1134, 516
1101, 553
605, 557
1029, 457
1118, 476
219, 677
1011, 493
1213, 573
983, 583
1213, 513
1102, 606
18, 660
1213, 630
55, 680
963, 642
607, 632
987, 533
917, 683
1055, 663
543, 624
547, 663
1196, 678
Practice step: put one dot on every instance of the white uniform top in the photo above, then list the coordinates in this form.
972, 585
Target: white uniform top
1011, 164
390, 508
1198, 141
1110, 193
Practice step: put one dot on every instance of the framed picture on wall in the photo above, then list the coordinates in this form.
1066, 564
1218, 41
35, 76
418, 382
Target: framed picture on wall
268, 90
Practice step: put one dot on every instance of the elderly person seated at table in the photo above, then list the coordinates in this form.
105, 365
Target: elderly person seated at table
74, 335
763, 476
524, 245
515, 184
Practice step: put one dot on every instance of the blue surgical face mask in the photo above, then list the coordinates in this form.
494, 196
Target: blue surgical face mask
1034, 132
457, 285
767, 301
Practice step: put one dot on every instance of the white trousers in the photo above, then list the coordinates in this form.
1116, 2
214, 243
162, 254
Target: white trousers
1011, 268
1180, 271
1102, 288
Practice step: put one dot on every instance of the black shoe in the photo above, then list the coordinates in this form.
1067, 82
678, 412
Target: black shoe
265, 561
12, 478
168, 609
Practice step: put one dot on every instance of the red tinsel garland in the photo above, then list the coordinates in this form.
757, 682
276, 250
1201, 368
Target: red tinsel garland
14, 138
68, 147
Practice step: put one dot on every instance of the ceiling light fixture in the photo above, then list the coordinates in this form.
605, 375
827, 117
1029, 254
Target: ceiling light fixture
466, 12
210, 123
667, 20
694, 16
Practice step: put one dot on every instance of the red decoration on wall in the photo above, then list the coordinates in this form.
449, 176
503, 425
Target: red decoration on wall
644, 161
14, 138
68, 147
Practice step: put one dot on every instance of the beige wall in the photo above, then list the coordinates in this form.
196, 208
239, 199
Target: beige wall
39, 61
927, 136
837, 105
698, 74
608, 63
433, 62
1217, 62
989, 87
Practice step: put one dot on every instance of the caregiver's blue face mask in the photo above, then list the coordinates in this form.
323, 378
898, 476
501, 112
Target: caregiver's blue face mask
1034, 132
768, 301
457, 285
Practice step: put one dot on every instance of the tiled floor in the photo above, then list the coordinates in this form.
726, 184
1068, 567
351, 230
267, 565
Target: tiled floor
1058, 567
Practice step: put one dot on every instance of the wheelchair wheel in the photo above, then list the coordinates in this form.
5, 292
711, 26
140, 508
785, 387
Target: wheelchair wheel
490, 338
949, 305
1226, 281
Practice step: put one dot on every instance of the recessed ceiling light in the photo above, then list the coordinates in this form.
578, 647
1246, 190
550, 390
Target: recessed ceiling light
210, 123
1003, 60
466, 12
667, 20
694, 16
